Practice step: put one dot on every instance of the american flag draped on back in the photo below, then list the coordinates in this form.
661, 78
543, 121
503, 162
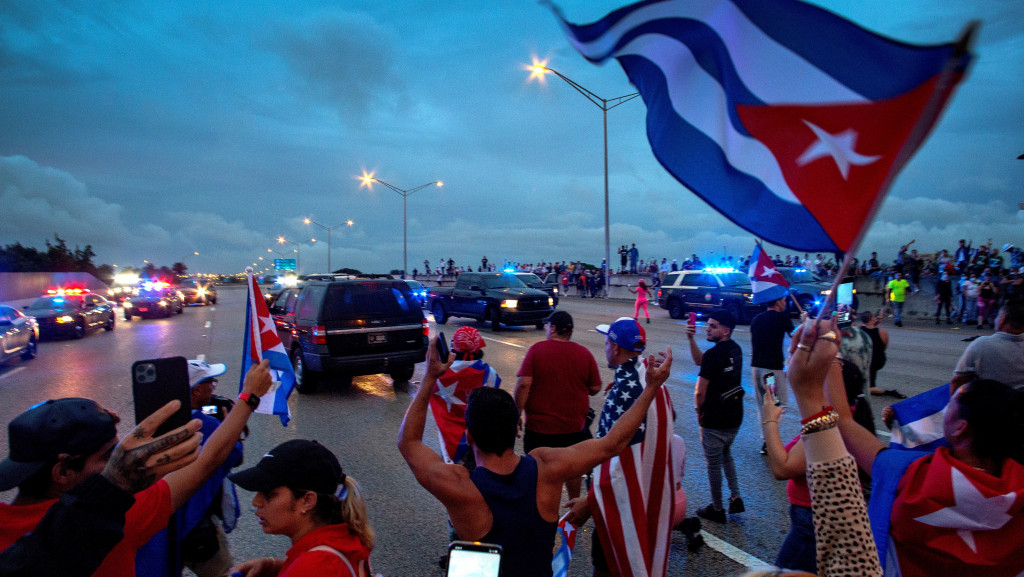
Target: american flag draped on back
261, 342
789, 120
632, 494
448, 404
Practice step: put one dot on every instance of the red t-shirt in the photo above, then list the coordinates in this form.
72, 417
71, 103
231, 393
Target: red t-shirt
559, 395
149, 514
796, 489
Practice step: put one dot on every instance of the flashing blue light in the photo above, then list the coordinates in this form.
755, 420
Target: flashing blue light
799, 270
720, 269
509, 270
58, 300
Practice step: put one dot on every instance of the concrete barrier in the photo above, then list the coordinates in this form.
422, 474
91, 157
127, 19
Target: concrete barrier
21, 288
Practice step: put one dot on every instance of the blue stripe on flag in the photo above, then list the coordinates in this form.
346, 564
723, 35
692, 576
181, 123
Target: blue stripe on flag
868, 63
699, 163
920, 420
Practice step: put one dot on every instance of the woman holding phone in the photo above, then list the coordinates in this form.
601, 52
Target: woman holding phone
302, 493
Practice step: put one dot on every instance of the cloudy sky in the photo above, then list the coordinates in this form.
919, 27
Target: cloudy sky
154, 130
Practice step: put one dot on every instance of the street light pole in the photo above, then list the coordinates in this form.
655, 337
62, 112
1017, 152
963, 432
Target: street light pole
328, 229
368, 180
605, 104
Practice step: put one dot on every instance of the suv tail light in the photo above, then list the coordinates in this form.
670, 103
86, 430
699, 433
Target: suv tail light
319, 334
426, 328
659, 293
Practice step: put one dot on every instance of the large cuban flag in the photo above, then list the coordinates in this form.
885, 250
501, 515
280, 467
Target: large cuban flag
766, 281
789, 120
448, 404
261, 342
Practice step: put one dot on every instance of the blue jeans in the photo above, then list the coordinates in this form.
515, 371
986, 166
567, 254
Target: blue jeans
797, 550
717, 445
897, 311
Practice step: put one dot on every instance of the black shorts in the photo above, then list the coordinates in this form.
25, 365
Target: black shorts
532, 440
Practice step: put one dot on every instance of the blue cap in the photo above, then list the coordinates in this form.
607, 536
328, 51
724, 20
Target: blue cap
627, 333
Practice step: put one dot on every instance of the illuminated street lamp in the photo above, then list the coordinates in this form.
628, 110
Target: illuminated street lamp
368, 180
538, 70
328, 229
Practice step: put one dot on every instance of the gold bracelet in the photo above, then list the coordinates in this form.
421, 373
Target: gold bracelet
822, 423
765, 422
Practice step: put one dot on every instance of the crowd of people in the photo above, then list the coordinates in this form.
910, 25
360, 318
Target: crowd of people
88, 503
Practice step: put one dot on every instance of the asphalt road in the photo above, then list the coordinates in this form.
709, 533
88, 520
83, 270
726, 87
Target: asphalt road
360, 423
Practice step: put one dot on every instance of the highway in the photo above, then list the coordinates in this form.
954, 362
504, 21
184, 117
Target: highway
360, 423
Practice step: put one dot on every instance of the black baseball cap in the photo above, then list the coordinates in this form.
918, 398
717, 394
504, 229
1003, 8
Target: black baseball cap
561, 320
72, 426
300, 464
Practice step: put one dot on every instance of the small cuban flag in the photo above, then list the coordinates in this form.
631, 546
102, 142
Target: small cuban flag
261, 342
767, 282
560, 563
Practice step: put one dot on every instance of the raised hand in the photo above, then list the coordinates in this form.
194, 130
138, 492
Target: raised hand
140, 460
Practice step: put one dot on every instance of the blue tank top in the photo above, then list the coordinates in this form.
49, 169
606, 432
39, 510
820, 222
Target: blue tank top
526, 539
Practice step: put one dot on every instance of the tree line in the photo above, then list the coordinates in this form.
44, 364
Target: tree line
59, 258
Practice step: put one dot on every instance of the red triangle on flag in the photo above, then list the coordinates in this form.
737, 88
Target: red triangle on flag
836, 158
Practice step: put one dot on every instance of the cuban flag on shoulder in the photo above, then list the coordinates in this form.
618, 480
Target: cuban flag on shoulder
261, 342
788, 119
766, 281
919, 421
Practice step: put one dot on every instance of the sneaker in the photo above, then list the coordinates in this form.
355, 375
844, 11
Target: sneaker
712, 514
736, 505
764, 448
894, 393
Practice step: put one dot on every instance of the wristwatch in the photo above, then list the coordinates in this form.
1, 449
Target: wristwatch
250, 399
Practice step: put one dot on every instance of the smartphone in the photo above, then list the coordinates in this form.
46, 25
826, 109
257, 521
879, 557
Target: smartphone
156, 382
691, 319
769, 385
442, 347
471, 559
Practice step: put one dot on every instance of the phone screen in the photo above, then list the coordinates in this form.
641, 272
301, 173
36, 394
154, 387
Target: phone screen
473, 560
769, 385
442, 347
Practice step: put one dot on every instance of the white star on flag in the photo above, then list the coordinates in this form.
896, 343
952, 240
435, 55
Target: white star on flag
839, 146
448, 394
768, 272
972, 511
568, 529
266, 325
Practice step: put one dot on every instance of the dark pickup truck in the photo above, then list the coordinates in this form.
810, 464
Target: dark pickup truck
495, 297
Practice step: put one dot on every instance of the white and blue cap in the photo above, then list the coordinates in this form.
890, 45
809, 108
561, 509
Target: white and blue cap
199, 371
627, 333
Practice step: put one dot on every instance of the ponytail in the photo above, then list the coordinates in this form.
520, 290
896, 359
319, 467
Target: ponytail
347, 506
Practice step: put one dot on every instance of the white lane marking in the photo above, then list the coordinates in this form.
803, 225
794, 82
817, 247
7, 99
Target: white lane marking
735, 553
12, 372
518, 346
208, 324
200, 357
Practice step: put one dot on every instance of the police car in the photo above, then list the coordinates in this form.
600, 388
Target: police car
702, 291
71, 312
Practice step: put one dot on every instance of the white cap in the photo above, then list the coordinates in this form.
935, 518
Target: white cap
199, 371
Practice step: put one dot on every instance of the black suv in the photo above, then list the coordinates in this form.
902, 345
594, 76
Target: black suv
350, 326
702, 291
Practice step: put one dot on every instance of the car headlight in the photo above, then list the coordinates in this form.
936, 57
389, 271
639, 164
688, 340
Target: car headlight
163, 303
201, 292
826, 292
551, 302
127, 304
556, 291
65, 319
509, 303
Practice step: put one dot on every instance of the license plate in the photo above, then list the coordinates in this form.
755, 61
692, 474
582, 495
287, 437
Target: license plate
143, 310
377, 338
